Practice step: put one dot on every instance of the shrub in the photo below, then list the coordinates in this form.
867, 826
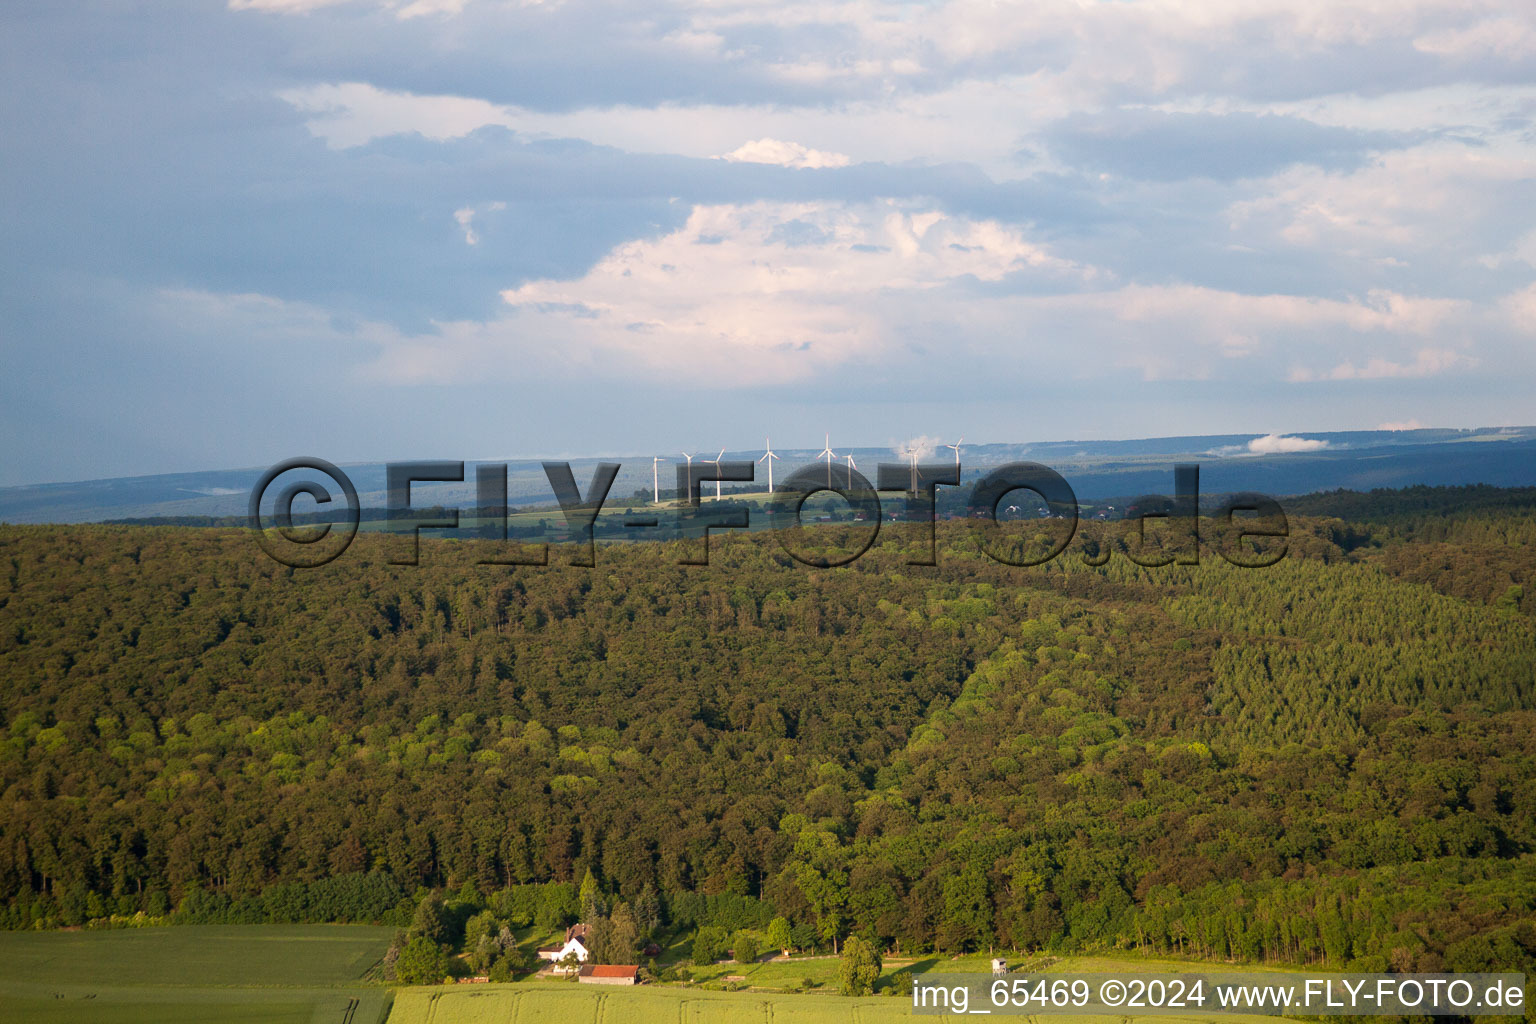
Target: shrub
708, 945
779, 936
859, 969
422, 962
744, 947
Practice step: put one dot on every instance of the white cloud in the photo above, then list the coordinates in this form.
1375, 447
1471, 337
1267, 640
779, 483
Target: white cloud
1089, 53
465, 217
1278, 444
1508, 38
422, 8
956, 123
283, 6
922, 446
1427, 362
746, 295
783, 290
348, 114
1439, 202
784, 154
1518, 310
403, 10
776, 290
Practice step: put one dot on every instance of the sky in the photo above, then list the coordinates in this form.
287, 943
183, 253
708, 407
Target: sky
376, 230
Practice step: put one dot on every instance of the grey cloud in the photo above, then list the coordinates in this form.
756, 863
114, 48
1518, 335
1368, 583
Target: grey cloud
1162, 146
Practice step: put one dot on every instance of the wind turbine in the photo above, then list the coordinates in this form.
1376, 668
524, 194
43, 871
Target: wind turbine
829, 455
851, 467
689, 495
656, 478
956, 449
716, 461
913, 453
768, 457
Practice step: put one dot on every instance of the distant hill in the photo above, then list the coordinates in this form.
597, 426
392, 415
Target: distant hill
1295, 464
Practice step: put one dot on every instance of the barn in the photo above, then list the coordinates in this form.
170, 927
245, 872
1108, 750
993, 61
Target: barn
609, 974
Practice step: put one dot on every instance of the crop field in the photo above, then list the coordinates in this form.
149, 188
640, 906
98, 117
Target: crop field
589, 1004
569, 1003
259, 974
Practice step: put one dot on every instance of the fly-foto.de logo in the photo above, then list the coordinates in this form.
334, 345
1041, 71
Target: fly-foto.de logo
910, 489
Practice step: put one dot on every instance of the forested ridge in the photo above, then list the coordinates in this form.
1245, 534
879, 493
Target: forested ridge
1329, 760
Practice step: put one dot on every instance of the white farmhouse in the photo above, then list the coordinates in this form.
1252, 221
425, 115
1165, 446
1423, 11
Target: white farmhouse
575, 945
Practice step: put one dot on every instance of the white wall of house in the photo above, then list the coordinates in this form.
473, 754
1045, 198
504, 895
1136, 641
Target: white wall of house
571, 946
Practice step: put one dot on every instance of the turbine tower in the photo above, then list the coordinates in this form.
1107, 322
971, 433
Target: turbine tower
689, 496
851, 467
656, 479
956, 449
768, 457
828, 454
716, 461
912, 452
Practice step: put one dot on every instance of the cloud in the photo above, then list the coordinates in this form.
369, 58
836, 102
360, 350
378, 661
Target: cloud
348, 114
1279, 444
1204, 212
1518, 310
1434, 210
1168, 146
1427, 362
953, 124
465, 217
403, 10
283, 6
922, 446
422, 8
773, 291
1508, 38
784, 154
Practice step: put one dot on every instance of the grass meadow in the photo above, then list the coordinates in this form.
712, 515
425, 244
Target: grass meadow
567, 1003
269, 974
768, 1000
320, 974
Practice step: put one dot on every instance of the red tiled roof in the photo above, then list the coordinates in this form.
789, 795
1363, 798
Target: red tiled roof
610, 970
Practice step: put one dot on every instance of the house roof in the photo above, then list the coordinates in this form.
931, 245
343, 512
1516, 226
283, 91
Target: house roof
610, 970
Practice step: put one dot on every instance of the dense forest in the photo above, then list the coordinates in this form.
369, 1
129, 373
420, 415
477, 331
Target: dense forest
1329, 760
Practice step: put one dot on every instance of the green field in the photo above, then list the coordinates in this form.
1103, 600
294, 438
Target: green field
590, 1004
768, 1001
274, 974
320, 974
